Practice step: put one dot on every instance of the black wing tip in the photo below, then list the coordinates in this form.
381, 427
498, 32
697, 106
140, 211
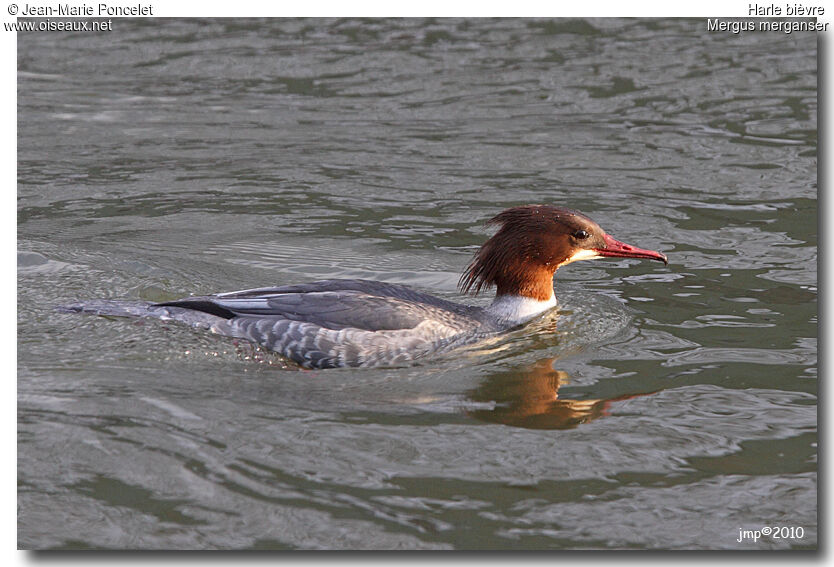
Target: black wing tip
200, 305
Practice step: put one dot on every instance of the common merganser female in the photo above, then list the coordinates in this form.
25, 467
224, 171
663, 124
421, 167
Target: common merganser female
339, 323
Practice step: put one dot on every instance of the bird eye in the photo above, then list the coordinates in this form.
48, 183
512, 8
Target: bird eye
580, 235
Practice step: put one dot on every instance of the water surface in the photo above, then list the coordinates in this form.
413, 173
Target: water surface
659, 407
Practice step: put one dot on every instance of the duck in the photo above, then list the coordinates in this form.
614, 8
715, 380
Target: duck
337, 323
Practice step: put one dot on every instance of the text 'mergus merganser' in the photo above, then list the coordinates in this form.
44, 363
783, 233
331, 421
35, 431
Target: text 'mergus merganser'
340, 323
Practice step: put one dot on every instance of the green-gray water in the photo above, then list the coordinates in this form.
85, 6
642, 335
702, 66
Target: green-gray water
661, 407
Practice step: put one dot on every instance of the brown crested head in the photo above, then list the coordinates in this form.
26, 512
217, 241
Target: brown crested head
530, 245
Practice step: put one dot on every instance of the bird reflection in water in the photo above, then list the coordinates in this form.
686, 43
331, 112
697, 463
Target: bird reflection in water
529, 398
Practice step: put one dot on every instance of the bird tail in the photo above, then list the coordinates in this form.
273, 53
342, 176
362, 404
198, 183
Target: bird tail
107, 307
116, 308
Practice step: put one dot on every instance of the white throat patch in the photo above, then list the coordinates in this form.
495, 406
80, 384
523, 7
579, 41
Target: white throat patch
519, 309
584, 254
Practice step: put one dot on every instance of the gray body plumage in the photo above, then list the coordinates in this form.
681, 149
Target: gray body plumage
327, 324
